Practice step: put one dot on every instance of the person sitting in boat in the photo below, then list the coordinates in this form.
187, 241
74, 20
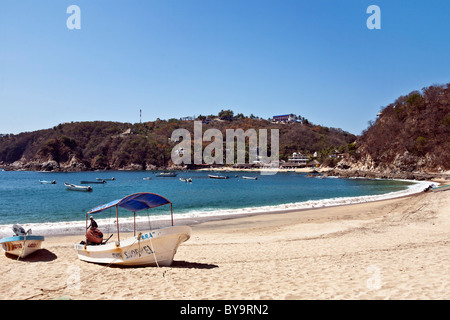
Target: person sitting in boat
93, 224
93, 234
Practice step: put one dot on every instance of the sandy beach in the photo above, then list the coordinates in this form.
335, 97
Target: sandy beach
390, 249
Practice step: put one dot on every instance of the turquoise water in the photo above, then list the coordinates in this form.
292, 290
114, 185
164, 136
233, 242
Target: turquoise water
24, 200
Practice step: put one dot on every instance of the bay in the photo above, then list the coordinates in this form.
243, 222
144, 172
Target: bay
24, 200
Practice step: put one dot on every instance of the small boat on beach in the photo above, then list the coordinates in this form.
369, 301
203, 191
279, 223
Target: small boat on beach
47, 181
166, 174
441, 188
22, 244
93, 182
186, 179
250, 178
74, 187
150, 248
217, 176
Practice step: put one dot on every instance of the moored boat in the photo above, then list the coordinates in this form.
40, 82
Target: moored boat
22, 243
110, 179
149, 248
217, 176
186, 179
74, 187
47, 181
93, 182
250, 178
167, 174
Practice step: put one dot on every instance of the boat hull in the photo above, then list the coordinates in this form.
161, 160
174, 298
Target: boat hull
73, 187
218, 177
442, 188
155, 248
21, 246
166, 175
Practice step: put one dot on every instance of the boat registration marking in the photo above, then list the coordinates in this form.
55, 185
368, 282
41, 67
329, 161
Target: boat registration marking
129, 254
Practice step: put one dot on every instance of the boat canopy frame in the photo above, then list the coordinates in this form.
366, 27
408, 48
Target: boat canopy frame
134, 203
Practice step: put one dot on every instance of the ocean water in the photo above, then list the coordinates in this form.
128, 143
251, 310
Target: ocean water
52, 209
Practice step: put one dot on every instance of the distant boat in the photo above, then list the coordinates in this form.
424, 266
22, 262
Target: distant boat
74, 187
146, 178
110, 179
217, 177
91, 182
250, 178
47, 181
166, 174
22, 243
186, 180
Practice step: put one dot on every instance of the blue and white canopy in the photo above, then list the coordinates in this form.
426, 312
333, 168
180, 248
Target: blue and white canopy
135, 202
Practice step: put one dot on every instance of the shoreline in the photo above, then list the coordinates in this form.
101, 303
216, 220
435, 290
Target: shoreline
388, 249
328, 171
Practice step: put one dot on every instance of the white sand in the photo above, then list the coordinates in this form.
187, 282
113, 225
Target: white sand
390, 249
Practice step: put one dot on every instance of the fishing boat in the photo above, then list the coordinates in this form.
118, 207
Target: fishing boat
150, 248
250, 178
217, 176
166, 174
441, 188
47, 181
93, 182
186, 179
22, 244
74, 187
110, 179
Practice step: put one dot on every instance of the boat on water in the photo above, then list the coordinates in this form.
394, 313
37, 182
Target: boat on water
186, 179
146, 178
93, 182
47, 181
250, 178
23, 243
217, 176
108, 179
151, 248
167, 174
75, 187
441, 188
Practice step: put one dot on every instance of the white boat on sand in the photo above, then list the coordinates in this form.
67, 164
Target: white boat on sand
22, 243
150, 248
441, 188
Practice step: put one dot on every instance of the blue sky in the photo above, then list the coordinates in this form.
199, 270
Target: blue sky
176, 58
